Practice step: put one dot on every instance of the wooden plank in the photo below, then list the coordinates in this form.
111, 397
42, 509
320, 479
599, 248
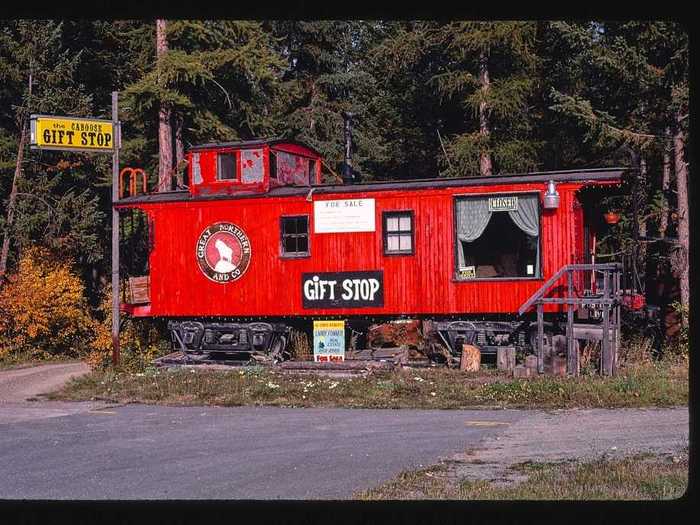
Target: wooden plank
586, 300
605, 354
505, 358
531, 362
139, 290
540, 338
522, 372
539, 293
593, 332
617, 322
571, 358
471, 359
558, 366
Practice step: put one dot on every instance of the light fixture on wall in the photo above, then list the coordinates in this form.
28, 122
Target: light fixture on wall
612, 217
551, 196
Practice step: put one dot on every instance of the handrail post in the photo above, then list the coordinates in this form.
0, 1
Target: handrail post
617, 321
540, 338
571, 354
607, 362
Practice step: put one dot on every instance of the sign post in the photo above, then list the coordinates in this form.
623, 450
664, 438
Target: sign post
52, 132
115, 229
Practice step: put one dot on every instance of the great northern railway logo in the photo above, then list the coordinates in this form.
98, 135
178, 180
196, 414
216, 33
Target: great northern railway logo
223, 252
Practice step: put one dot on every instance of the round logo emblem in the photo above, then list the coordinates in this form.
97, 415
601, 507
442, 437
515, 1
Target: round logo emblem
223, 252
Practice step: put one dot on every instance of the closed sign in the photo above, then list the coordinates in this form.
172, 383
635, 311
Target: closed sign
342, 289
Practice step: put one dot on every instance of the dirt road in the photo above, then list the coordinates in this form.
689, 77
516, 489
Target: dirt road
19, 384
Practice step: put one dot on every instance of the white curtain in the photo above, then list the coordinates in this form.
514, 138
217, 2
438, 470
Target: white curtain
526, 217
473, 216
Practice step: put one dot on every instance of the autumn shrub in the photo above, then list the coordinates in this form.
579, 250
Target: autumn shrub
140, 341
43, 309
300, 347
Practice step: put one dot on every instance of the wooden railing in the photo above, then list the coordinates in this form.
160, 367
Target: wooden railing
609, 299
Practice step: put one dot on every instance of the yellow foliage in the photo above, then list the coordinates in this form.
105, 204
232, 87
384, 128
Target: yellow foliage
139, 342
43, 308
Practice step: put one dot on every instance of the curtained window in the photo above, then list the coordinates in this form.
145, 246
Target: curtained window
497, 236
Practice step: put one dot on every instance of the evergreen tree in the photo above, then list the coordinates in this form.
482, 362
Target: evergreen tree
218, 78
328, 74
38, 76
490, 68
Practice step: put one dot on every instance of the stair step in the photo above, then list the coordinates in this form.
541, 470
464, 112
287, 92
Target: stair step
592, 332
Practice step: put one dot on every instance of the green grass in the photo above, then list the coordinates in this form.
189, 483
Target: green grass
640, 385
641, 477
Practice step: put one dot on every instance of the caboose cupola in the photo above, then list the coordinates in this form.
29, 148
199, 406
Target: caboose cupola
252, 166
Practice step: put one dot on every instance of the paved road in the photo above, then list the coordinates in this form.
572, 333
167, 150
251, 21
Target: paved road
146, 452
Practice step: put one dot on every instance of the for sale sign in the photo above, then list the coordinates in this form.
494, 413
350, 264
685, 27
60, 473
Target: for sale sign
70, 133
329, 340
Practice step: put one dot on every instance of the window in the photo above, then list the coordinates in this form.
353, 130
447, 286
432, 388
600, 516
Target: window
251, 166
292, 169
226, 169
497, 236
295, 236
398, 232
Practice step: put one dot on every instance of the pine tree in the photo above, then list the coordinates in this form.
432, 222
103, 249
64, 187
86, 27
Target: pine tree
328, 74
490, 68
218, 79
39, 77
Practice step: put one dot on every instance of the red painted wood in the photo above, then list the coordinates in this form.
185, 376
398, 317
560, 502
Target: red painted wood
422, 283
208, 162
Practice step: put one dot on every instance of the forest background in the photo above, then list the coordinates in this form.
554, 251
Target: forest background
428, 99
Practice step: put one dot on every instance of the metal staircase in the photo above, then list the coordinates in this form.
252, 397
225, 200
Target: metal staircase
608, 299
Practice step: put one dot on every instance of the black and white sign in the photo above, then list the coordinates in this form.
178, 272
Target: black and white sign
342, 289
507, 203
342, 216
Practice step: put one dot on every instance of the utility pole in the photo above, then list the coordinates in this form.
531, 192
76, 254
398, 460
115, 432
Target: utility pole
115, 228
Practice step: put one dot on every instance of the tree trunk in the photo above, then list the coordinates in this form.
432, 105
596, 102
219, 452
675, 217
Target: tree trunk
665, 179
681, 168
179, 150
11, 205
165, 145
662, 289
484, 125
5, 251
312, 124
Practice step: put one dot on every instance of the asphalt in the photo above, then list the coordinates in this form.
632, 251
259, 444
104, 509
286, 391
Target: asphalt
149, 452
96, 451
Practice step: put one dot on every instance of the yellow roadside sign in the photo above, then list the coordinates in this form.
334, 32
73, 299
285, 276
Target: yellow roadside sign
71, 133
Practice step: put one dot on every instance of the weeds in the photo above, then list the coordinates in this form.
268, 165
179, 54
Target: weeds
640, 477
638, 385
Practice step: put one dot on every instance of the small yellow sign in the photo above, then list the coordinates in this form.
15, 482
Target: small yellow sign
66, 133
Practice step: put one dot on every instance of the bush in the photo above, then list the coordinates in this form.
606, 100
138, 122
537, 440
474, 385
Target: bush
680, 345
140, 341
43, 309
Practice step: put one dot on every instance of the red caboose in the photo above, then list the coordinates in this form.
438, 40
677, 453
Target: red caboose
257, 244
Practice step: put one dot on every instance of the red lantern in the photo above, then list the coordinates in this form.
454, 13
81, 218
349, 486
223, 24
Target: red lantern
612, 218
